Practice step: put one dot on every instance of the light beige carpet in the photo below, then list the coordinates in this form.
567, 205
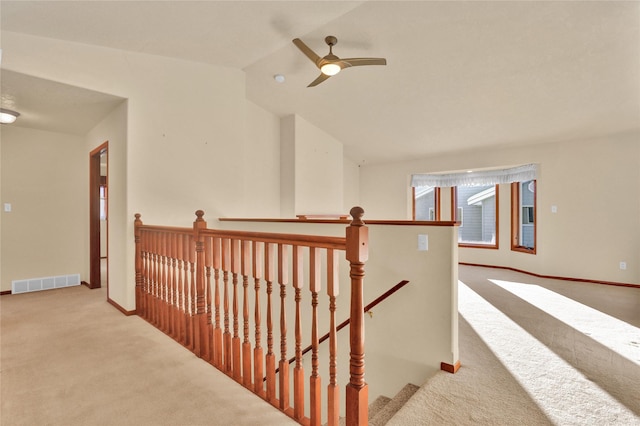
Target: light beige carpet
69, 358
537, 352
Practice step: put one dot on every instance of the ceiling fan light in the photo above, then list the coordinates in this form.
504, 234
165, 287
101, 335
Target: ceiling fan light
330, 69
7, 116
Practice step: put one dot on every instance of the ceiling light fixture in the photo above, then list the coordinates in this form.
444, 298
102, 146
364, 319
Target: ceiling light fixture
330, 69
7, 116
279, 78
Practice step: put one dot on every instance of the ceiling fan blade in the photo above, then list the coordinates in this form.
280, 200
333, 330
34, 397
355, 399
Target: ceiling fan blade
320, 79
355, 62
306, 50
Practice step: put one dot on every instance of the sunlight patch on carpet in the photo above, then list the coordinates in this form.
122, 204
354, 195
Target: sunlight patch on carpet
573, 398
616, 335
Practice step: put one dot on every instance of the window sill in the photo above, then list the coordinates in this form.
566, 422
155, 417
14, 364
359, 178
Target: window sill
523, 250
481, 246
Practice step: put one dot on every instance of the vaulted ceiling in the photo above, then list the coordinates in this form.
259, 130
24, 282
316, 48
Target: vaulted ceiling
460, 75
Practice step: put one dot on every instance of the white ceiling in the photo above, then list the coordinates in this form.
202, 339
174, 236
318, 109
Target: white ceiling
52, 106
460, 75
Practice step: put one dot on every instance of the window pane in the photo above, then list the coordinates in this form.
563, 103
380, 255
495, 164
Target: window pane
477, 212
527, 219
425, 203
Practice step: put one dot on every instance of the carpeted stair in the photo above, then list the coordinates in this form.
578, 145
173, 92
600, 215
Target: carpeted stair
383, 409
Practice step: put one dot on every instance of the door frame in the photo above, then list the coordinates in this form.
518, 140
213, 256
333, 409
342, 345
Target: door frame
94, 214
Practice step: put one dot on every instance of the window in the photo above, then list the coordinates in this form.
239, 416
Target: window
476, 209
426, 203
523, 216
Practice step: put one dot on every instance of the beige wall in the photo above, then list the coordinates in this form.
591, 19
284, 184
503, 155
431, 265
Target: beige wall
261, 192
318, 165
113, 129
44, 177
186, 137
351, 175
312, 179
287, 166
595, 185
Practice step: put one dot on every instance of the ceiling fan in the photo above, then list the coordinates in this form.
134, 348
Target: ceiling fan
330, 64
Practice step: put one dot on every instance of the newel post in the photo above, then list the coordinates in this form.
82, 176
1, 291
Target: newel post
136, 232
200, 323
357, 252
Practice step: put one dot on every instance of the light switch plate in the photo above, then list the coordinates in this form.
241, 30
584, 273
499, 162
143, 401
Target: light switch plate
423, 242
7, 207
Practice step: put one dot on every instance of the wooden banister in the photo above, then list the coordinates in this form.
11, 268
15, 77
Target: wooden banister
194, 285
366, 309
357, 253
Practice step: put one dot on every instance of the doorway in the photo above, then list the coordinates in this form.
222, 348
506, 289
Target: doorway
98, 217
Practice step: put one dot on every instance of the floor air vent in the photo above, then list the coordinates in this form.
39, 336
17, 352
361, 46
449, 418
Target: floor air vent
47, 283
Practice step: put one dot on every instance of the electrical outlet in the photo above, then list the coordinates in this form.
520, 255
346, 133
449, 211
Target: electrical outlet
623, 265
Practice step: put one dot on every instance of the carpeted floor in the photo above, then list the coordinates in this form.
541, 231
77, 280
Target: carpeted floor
69, 358
533, 352
537, 352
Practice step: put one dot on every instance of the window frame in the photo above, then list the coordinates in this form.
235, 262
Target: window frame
454, 215
436, 202
516, 211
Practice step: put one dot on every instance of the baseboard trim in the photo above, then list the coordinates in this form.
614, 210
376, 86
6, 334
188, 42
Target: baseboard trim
120, 308
453, 369
553, 277
5, 293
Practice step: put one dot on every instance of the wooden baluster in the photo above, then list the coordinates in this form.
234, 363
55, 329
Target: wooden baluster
140, 273
258, 361
188, 292
357, 252
158, 280
235, 341
226, 266
298, 370
193, 292
200, 314
148, 276
155, 275
154, 279
315, 390
175, 309
208, 256
333, 391
138, 264
217, 331
158, 251
245, 264
168, 283
283, 279
270, 359
164, 290
145, 275
181, 306
184, 251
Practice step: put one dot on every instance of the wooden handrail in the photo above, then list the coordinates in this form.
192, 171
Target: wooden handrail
194, 285
344, 323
